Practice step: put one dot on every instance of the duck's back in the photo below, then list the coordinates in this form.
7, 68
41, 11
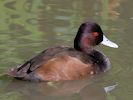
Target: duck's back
61, 63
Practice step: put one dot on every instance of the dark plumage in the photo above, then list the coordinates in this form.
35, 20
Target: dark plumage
67, 63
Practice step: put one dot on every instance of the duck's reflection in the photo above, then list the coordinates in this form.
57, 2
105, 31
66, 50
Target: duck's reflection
87, 89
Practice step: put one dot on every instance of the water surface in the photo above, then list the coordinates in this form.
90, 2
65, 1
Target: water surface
29, 26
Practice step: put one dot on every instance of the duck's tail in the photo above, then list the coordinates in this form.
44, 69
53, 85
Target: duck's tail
16, 73
22, 74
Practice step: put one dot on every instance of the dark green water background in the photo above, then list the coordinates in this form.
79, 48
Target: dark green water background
29, 26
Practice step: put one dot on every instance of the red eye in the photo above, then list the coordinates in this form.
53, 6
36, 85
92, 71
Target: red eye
95, 34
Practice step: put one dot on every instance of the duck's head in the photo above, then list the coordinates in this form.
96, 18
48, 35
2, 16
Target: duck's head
89, 35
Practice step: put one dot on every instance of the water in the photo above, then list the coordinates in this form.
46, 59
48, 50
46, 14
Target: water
29, 26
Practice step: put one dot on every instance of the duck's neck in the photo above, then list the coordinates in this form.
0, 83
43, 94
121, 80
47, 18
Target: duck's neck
83, 44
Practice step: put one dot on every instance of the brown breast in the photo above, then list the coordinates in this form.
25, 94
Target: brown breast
64, 67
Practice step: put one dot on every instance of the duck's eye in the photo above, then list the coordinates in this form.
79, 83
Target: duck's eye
95, 34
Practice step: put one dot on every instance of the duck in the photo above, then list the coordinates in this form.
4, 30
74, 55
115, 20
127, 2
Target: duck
63, 63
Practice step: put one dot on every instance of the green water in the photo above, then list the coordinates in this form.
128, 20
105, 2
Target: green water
29, 26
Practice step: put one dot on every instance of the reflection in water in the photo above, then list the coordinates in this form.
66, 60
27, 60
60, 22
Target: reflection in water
69, 90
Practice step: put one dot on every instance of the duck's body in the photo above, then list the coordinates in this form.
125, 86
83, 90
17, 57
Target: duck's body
61, 63
66, 63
